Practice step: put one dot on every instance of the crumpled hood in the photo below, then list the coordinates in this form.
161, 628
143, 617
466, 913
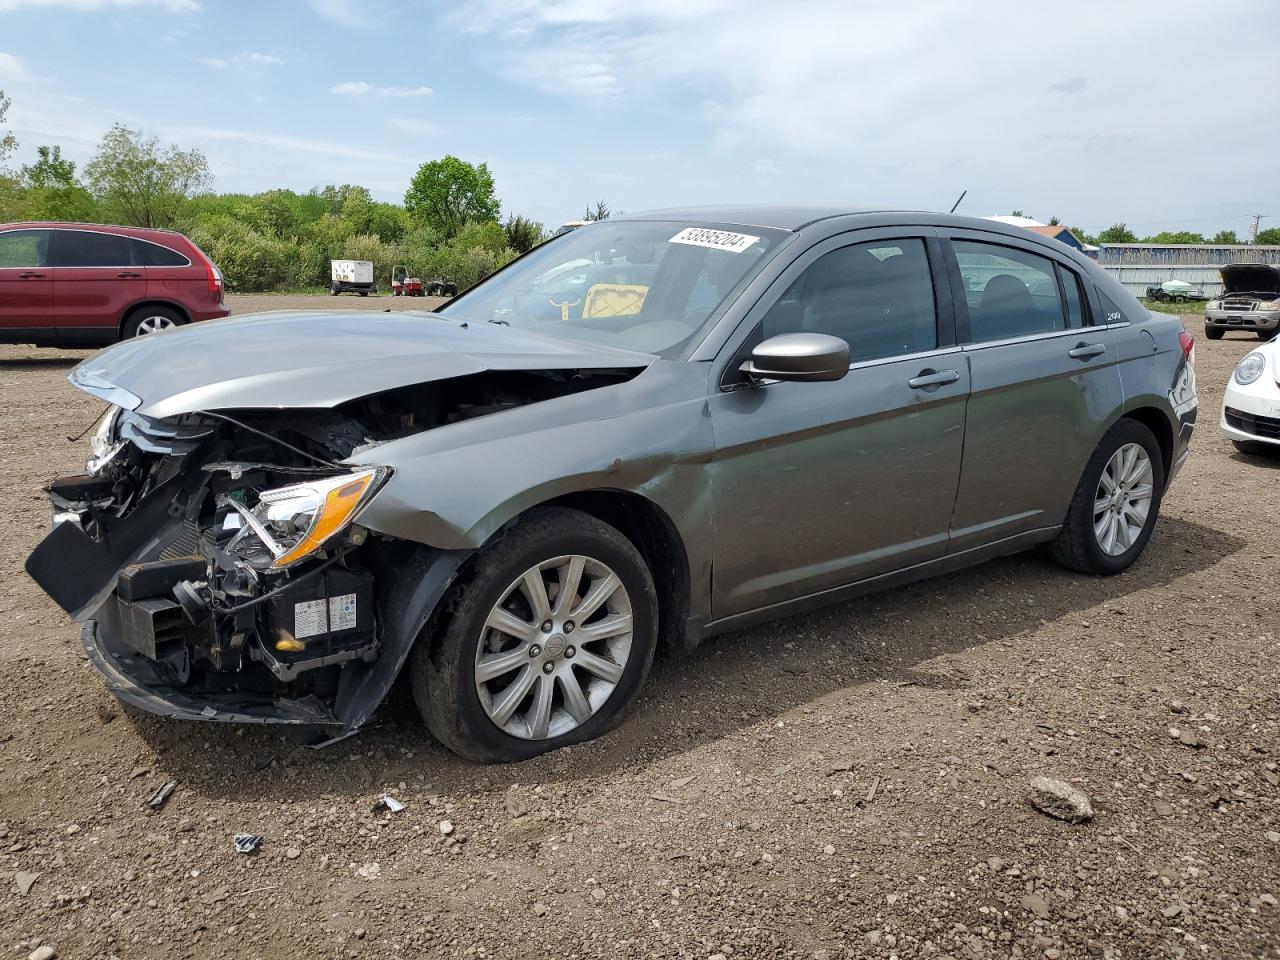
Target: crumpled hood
1247, 277
286, 359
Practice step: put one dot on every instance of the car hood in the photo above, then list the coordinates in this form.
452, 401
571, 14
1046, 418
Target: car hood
284, 359
1250, 277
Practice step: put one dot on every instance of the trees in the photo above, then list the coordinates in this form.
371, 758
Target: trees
50, 191
1084, 237
1117, 233
8, 142
139, 182
522, 233
1268, 237
1225, 236
50, 170
448, 193
600, 211
1176, 236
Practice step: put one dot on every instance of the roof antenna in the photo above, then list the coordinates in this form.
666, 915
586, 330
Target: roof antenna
957, 203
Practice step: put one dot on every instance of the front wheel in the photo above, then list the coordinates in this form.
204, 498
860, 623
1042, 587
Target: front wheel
546, 641
1213, 333
1265, 334
1116, 503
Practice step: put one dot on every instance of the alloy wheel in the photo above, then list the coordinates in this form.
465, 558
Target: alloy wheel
154, 325
1122, 502
554, 647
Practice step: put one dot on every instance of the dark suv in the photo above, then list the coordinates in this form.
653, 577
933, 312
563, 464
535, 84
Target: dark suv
85, 285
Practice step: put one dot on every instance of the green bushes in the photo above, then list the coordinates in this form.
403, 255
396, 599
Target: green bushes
250, 262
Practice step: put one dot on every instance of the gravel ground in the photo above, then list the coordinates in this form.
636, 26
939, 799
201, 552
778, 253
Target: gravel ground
852, 783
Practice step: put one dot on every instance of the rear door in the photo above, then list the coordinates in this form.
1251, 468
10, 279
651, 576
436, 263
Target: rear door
96, 280
819, 485
26, 287
1045, 385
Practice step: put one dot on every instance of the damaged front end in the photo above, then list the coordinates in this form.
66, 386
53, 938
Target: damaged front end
216, 565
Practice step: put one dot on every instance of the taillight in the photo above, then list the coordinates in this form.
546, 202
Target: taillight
211, 271
1188, 344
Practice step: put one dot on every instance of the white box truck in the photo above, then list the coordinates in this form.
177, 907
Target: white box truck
353, 275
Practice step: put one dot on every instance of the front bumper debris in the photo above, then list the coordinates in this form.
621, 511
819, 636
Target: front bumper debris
134, 679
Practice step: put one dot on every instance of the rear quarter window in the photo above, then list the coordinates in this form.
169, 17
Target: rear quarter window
149, 254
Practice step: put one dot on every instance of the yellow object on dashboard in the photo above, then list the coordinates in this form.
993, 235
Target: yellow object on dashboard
614, 300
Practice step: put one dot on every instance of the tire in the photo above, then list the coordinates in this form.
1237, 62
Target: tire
1264, 334
364, 293
1254, 448
1078, 546
1213, 333
334, 290
443, 668
147, 320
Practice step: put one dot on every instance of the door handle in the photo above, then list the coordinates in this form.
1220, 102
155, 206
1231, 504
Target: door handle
1086, 351
30, 276
129, 275
933, 378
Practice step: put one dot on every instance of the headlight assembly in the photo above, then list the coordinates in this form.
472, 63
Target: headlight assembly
1269, 305
1213, 305
105, 442
294, 522
1250, 368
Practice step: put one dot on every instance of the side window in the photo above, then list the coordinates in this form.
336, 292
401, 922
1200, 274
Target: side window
154, 255
876, 296
24, 248
1009, 292
80, 248
1077, 311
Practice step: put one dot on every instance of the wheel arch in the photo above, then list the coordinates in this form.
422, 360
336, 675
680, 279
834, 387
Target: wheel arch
656, 536
1157, 421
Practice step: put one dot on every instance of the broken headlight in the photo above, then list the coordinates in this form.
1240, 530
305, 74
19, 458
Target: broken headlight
294, 522
105, 442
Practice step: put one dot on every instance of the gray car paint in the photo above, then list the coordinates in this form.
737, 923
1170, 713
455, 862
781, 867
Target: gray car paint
784, 495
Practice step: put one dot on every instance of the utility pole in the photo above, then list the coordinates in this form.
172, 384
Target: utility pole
1253, 230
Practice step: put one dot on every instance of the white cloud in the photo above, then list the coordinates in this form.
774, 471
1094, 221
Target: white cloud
244, 60
368, 91
174, 6
911, 102
13, 69
422, 128
346, 13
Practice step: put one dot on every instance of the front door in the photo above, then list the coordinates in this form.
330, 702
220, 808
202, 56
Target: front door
1045, 383
818, 485
96, 281
26, 287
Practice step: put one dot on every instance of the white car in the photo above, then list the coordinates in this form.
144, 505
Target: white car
1251, 403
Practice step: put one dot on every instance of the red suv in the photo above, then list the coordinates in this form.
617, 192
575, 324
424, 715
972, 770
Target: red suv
85, 285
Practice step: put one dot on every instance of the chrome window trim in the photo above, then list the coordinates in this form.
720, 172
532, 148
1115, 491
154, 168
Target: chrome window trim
122, 236
1049, 335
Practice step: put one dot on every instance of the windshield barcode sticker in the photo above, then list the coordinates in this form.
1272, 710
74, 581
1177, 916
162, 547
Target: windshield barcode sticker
716, 239
309, 619
342, 612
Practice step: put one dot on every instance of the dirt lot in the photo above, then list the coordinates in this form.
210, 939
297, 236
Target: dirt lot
846, 784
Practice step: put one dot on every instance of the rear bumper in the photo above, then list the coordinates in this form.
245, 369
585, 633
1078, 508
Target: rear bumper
209, 314
132, 678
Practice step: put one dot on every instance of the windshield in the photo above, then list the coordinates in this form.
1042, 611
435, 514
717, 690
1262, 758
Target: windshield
651, 286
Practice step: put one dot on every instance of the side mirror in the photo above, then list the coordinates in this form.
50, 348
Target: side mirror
798, 356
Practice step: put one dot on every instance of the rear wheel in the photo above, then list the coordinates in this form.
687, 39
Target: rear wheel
546, 643
1116, 503
151, 320
1213, 333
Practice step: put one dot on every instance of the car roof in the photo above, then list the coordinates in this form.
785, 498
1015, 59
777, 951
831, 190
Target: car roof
779, 217
98, 227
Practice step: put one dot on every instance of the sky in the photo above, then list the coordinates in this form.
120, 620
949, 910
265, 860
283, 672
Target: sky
1159, 113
